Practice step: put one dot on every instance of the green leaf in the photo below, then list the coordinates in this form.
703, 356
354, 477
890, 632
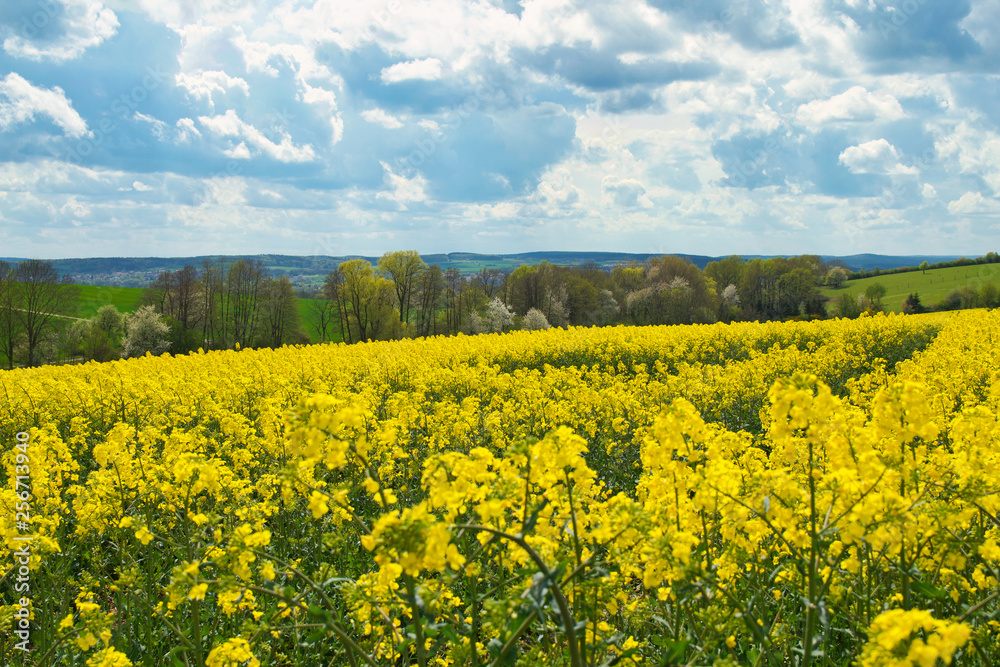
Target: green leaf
674, 651
928, 591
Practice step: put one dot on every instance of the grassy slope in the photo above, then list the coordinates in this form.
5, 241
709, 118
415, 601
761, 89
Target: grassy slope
932, 286
92, 297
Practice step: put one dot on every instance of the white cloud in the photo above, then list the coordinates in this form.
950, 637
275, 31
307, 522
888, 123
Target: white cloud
186, 130
238, 152
139, 186
326, 100
225, 191
972, 149
875, 157
428, 69
627, 193
159, 127
974, 203
24, 101
84, 23
202, 84
928, 191
231, 125
856, 104
380, 117
403, 189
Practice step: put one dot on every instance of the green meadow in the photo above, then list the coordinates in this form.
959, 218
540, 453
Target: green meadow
932, 286
92, 297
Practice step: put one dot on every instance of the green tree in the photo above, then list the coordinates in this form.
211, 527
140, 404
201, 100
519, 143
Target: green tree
101, 335
726, 271
874, 294
583, 300
846, 305
912, 305
989, 296
369, 301
403, 267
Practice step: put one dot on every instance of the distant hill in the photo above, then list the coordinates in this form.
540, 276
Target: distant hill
308, 270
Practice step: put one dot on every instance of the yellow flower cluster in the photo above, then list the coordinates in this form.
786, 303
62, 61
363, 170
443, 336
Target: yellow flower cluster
769, 494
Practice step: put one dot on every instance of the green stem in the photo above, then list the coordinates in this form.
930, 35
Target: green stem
568, 623
811, 611
418, 622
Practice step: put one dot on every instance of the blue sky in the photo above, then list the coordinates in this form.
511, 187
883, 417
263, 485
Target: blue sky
184, 127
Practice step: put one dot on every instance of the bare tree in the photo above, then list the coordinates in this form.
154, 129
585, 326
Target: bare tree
243, 298
430, 288
10, 325
324, 310
175, 294
453, 293
280, 311
333, 290
212, 303
42, 297
489, 281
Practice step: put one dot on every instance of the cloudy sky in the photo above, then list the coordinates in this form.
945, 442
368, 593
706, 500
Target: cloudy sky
182, 127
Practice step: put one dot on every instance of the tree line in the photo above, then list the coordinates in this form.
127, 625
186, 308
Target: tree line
226, 304
401, 296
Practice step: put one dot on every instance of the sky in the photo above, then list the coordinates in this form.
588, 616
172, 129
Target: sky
357, 127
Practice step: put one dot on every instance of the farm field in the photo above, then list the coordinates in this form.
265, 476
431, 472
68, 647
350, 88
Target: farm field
932, 286
811, 493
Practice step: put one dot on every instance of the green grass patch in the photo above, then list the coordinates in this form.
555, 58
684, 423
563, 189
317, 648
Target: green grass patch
932, 286
92, 297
